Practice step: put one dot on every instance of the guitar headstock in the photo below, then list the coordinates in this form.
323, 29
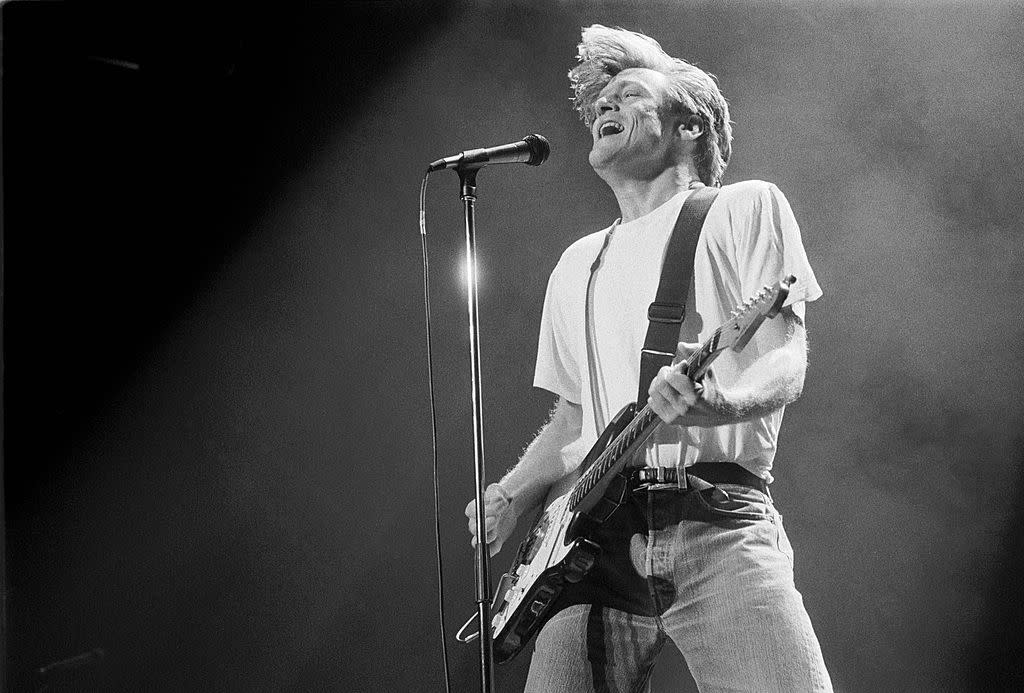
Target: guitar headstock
745, 319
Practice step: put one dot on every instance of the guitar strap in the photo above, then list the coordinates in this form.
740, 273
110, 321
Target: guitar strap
668, 310
666, 314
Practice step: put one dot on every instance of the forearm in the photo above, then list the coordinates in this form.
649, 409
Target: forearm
771, 382
542, 463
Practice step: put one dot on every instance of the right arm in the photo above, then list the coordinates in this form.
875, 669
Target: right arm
525, 486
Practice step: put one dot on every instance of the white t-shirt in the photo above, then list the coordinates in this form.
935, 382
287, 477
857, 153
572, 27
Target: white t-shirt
750, 239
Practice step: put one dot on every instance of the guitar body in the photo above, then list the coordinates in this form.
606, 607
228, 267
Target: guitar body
527, 593
557, 551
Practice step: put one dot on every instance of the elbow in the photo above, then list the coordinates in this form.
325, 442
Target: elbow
796, 388
796, 349
796, 372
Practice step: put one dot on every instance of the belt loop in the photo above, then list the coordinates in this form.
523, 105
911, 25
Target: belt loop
681, 477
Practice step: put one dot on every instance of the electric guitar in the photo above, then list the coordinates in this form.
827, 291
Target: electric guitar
557, 550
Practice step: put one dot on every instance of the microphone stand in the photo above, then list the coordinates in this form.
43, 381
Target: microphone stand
467, 181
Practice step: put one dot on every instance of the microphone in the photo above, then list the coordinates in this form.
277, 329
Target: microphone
532, 150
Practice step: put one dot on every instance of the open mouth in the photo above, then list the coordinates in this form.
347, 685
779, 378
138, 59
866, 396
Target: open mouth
609, 128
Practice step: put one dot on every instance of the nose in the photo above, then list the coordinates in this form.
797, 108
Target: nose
605, 104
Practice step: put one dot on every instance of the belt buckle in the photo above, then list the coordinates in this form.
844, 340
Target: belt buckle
658, 477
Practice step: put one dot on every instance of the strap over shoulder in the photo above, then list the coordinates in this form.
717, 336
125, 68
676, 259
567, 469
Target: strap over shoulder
666, 313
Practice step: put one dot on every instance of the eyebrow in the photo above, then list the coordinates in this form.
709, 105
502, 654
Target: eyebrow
627, 82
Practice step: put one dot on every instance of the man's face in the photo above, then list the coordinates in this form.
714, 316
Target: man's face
633, 136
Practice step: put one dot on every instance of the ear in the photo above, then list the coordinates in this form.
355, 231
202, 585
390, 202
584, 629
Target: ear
691, 128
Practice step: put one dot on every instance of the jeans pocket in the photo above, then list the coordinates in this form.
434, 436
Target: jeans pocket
734, 502
782, 540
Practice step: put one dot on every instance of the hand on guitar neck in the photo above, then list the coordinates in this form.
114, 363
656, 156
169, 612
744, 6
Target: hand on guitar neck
772, 381
677, 399
672, 393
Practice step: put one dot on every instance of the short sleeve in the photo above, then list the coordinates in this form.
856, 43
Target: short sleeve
770, 247
558, 368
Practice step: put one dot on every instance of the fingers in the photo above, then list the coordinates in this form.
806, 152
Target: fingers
673, 386
495, 503
496, 507
491, 523
666, 410
492, 548
671, 393
684, 349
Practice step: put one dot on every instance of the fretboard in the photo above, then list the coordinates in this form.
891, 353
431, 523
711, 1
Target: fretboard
640, 428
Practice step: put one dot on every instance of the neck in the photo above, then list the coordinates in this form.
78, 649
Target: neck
639, 197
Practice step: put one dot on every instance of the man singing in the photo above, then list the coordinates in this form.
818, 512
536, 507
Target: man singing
698, 554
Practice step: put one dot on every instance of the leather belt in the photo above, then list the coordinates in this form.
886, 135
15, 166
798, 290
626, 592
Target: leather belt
711, 472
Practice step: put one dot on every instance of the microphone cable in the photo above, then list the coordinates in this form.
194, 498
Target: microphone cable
433, 432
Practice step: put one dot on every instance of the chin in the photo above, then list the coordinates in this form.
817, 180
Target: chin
600, 159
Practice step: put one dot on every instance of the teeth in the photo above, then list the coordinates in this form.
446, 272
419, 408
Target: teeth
610, 128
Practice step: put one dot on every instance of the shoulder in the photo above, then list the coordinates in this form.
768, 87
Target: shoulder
749, 208
747, 194
748, 216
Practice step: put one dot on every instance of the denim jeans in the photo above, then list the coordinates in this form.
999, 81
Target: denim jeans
711, 570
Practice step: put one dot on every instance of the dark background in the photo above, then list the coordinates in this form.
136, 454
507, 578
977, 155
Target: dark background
217, 442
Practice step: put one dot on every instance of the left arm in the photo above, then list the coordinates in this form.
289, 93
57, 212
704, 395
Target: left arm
772, 381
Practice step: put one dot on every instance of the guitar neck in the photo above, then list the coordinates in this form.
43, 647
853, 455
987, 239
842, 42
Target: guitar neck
641, 427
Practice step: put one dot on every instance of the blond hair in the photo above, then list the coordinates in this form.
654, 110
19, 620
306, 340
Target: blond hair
605, 52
